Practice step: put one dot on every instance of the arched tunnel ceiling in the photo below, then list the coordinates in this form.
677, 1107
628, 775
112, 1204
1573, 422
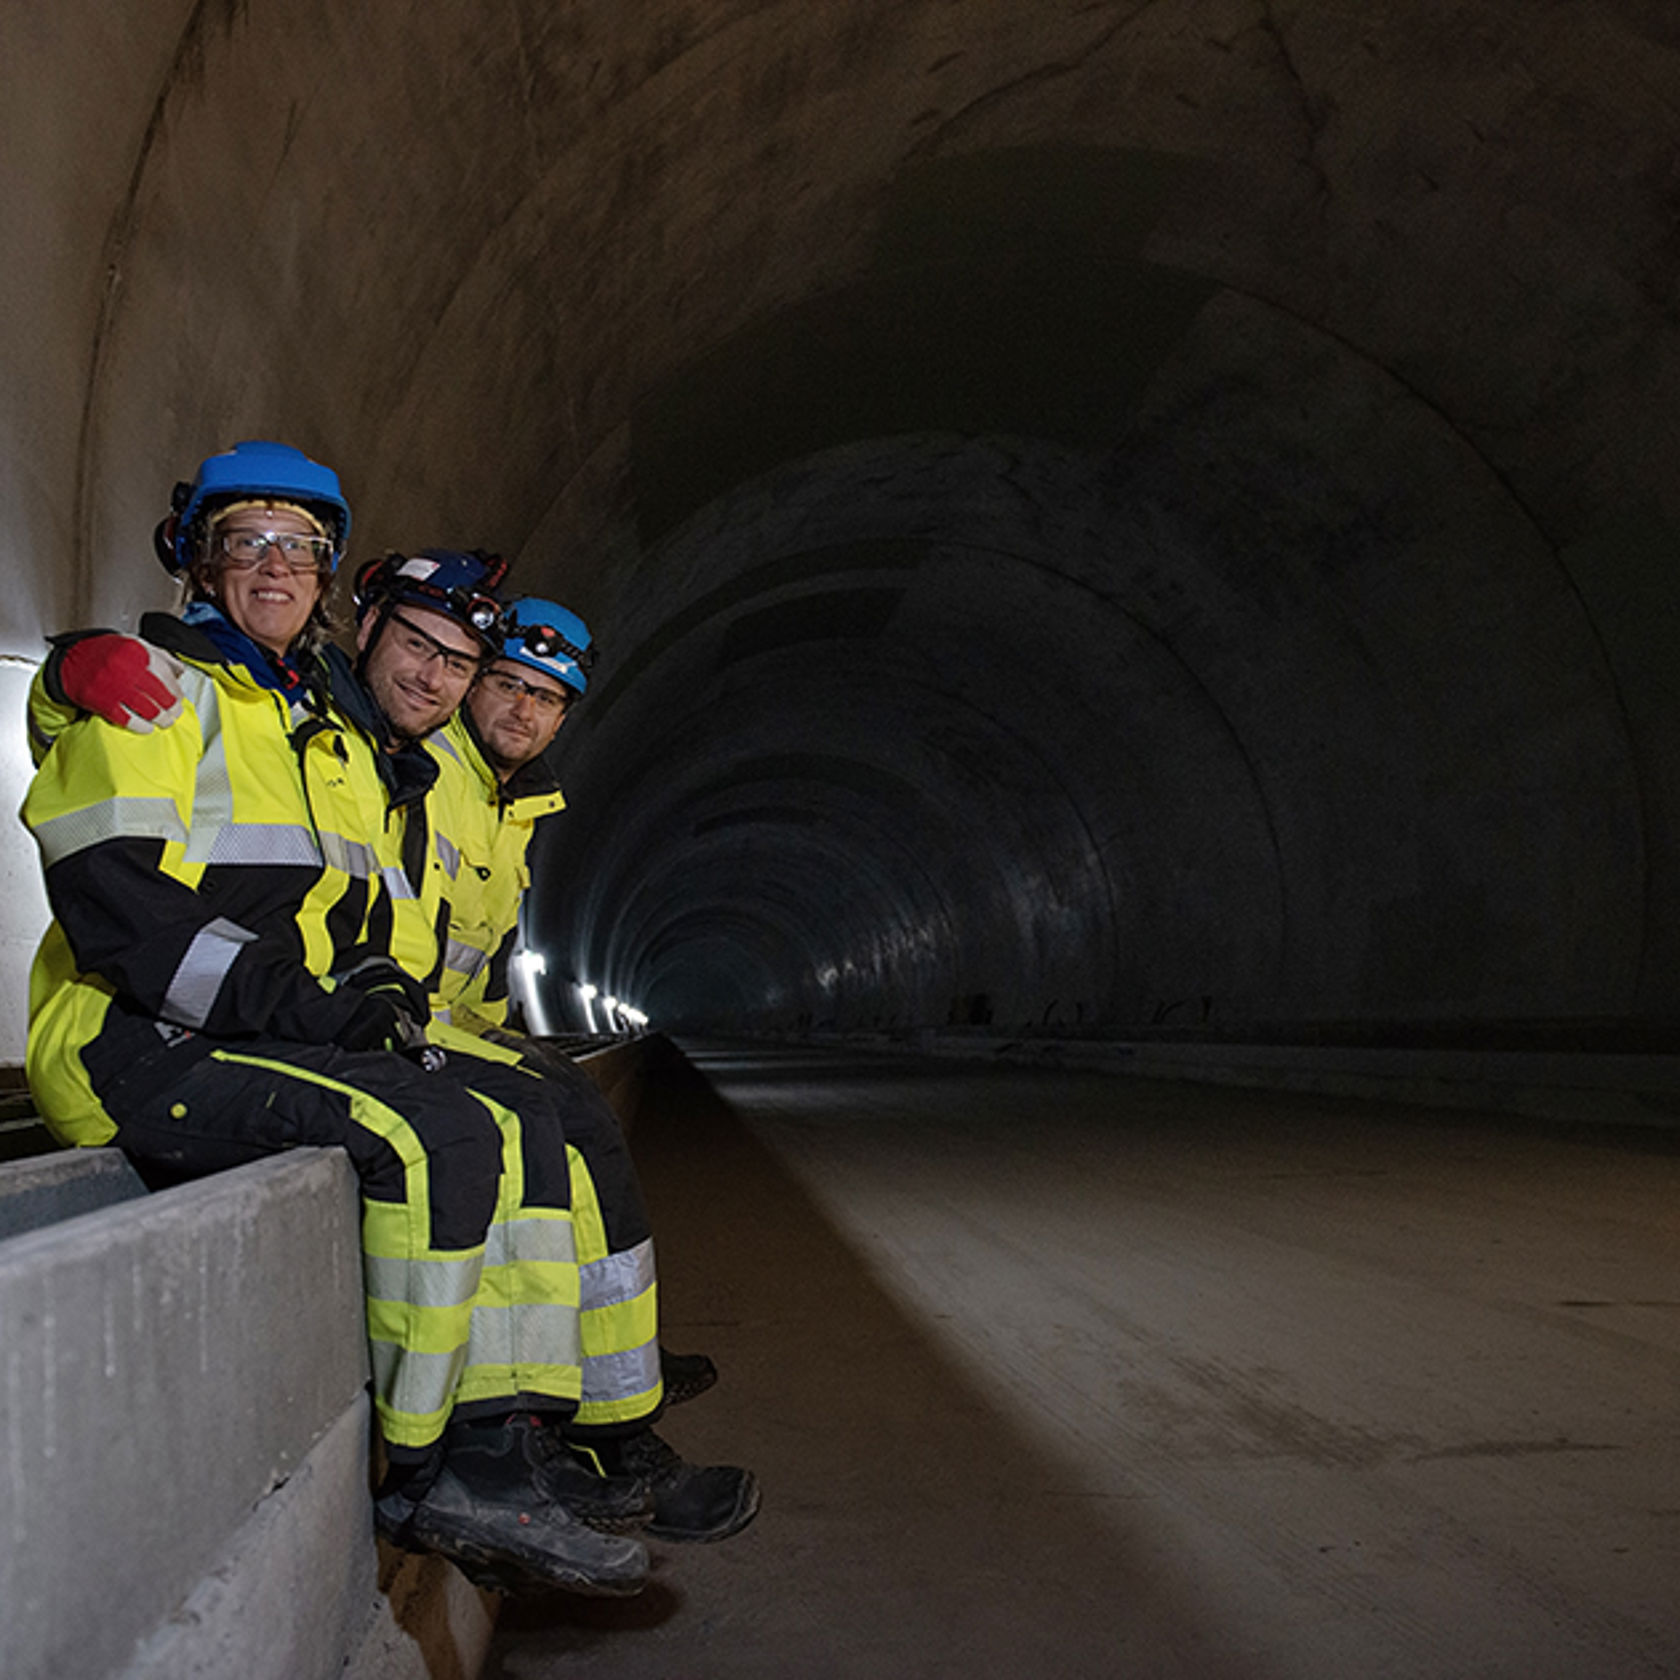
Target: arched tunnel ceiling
1091, 513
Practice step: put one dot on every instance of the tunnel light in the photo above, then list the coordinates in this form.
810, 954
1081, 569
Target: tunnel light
587, 992
610, 1002
527, 966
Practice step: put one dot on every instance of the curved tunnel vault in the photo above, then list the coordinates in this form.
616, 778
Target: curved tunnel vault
1158, 514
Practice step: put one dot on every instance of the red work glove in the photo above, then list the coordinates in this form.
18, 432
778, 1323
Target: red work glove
122, 679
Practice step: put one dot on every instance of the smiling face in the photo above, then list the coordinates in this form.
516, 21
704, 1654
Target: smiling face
269, 601
418, 666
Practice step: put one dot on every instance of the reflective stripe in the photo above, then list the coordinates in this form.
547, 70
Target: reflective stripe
111, 819
461, 958
422, 1283
534, 1240
416, 1391
397, 883
197, 980
534, 1333
212, 808
617, 1278
349, 857
449, 854
618, 1377
285, 844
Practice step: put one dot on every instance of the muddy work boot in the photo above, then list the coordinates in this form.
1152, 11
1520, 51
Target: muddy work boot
691, 1502
614, 1504
483, 1509
685, 1375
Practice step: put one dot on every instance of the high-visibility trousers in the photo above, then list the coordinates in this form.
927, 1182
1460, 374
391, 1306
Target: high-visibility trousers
618, 1286
470, 1260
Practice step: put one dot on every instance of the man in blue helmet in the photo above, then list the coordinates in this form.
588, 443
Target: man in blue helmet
496, 783
425, 624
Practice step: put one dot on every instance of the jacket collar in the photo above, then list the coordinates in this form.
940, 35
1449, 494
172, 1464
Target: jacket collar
279, 672
534, 780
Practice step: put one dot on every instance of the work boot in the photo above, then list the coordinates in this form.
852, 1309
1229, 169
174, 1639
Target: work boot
685, 1375
691, 1502
518, 1542
615, 1504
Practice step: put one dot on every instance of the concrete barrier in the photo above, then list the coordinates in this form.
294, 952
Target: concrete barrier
185, 1431
46, 1189
620, 1071
1571, 1087
168, 1362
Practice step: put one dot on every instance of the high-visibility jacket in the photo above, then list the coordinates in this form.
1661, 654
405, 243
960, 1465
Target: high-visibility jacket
479, 869
206, 876
209, 877
478, 872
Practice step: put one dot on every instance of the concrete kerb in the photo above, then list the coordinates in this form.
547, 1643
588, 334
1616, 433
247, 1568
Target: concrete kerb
168, 1362
45, 1189
1560, 1086
185, 1429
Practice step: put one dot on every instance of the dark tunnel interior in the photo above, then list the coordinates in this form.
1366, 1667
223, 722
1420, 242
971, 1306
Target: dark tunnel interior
1100, 520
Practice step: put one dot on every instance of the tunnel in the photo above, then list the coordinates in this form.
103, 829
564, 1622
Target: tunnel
1097, 518
1140, 518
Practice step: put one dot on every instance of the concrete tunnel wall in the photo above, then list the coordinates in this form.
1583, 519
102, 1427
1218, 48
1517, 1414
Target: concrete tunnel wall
1094, 514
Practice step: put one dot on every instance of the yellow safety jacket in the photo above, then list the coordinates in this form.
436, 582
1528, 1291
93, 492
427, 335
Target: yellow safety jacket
207, 876
478, 870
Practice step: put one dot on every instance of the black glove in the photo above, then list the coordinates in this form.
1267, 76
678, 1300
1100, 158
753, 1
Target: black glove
377, 1023
391, 1013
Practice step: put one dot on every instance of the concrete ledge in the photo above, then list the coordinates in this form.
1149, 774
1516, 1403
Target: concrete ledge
1593, 1087
164, 1365
45, 1189
269, 1610
621, 1072
185, 1431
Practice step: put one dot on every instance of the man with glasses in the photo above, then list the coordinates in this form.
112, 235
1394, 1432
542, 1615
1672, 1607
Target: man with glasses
426, 624
495, 784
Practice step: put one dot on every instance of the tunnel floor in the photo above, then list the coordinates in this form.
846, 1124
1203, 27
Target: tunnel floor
1048, 1374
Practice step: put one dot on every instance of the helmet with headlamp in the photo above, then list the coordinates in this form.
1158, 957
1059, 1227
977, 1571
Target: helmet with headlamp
458, 583
547, 638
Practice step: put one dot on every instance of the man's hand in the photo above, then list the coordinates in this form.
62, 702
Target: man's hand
392, 1012
122, 679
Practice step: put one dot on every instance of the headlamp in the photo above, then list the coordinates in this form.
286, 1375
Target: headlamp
546, 642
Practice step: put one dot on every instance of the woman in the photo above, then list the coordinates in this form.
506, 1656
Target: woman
217, 984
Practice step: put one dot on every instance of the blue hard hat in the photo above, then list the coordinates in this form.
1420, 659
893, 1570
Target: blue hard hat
458, 583
549, 639
262, 471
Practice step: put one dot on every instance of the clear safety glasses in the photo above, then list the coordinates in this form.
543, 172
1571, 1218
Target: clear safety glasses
245, 549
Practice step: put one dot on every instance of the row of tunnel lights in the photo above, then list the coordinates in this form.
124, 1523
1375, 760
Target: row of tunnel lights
619, 1014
